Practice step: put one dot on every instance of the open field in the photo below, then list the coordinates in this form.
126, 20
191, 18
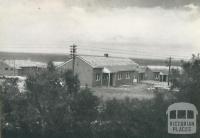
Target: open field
139, 91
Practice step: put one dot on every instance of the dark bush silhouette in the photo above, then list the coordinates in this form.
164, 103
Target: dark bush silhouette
54, 106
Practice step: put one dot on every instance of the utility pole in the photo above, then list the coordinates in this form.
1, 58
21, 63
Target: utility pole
169, 72
73, 56
14, 67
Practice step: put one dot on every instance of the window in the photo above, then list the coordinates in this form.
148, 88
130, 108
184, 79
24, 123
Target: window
190, 114
119, 76
128, 75
6, 68
173, 114
97, 77
181, 114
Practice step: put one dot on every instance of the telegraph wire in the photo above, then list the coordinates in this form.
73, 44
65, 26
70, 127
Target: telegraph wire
132, 54
129, 53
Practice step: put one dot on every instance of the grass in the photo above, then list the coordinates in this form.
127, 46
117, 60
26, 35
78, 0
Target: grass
138, 91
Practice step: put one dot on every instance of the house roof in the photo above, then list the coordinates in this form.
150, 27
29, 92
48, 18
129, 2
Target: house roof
18, 64
163, 69
57, 63
113, 64
121, 68
100, 61
62, 64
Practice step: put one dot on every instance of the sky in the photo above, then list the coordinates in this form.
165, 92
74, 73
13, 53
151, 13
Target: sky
128, 28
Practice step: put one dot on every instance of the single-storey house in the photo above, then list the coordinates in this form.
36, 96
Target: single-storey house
159, 73
24, 67
6, 69
103, 70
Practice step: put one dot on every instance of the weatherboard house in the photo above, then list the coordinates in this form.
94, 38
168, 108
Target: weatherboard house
102, 70
6, 69
20, 67
159, 73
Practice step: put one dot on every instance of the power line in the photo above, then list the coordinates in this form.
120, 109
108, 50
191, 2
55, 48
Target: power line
135, 53
131, 54
142, 53
145, 53
62, 44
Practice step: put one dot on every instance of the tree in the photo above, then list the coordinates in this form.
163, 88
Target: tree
175, 78
50, 66
51, 106
51, 95
1, 114
13, 108
128, 118
189, 85
72, 82
189, 82
84, 111
85, 106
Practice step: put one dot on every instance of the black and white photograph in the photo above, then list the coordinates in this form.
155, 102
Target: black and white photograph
99, 68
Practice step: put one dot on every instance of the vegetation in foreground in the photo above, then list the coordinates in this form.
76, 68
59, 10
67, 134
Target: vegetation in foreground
54, 106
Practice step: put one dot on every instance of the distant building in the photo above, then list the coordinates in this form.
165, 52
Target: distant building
24, 67
103, 71
159, 73
58, 63
141, 73
6, 69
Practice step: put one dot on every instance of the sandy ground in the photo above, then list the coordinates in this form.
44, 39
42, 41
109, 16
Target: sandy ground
139, 91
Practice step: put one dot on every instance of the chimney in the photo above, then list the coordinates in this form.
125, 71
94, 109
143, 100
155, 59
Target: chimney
106, 55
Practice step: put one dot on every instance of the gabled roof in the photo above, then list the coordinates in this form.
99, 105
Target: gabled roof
62, 64
24, 63
121, 68
163, 69
113, 64
100, 61
58, 63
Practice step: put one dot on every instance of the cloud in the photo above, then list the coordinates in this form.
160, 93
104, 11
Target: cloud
51, 26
